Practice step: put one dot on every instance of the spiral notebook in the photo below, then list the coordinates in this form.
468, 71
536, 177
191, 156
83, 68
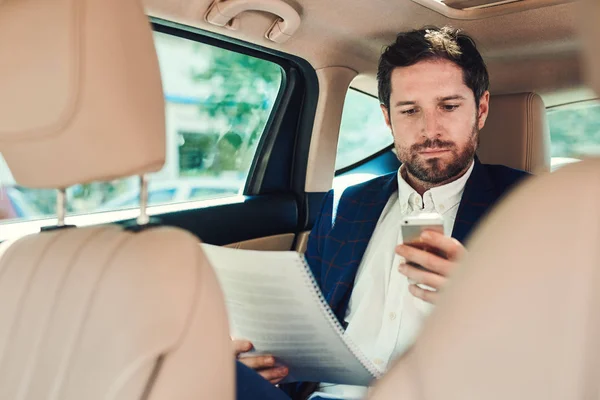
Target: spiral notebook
273, 300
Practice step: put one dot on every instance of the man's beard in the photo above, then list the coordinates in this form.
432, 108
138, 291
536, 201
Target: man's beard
433, 170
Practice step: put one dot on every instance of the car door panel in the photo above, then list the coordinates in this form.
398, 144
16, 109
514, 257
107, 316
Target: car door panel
282, 242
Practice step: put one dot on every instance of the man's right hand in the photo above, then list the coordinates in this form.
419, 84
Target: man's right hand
263, 364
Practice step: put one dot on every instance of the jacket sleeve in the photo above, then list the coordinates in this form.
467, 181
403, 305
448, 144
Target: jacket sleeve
318, 236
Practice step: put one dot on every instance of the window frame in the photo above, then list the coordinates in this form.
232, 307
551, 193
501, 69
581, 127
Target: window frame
364, 161
572, 104
205, 37
299, 86
370, 157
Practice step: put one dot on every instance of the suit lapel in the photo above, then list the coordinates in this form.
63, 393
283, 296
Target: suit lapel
479, 194
364, 212
368, 210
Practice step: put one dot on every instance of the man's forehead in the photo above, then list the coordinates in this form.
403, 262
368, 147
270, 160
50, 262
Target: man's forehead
431, 79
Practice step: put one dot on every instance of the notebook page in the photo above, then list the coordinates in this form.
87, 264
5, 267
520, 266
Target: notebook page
272, 301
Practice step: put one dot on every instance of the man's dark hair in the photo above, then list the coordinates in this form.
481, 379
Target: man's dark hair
433, 43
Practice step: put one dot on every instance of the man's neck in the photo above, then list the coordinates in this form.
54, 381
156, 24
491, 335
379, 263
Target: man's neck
422, 186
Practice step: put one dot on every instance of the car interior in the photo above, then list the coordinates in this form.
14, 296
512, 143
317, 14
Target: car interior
541, 340
250, 111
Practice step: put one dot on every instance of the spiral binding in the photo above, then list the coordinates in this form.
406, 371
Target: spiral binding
334, 323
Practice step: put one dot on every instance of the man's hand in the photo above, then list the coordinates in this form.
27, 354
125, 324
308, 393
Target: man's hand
440, 268
263, 364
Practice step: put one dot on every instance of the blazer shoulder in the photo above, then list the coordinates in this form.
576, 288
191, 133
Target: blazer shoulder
345, 199
372, 185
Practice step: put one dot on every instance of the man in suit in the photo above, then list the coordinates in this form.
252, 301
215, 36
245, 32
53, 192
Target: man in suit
433, 90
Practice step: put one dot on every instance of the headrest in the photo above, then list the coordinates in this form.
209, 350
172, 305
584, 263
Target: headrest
516, 133
520, 317
81, 91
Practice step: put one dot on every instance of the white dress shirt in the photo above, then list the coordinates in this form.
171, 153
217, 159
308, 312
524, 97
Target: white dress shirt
383, 317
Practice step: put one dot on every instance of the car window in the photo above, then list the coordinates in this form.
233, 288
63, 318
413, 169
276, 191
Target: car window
155, 196
574, 132
363, 131
217, 104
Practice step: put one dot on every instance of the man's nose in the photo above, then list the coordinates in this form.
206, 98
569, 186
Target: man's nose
431, 125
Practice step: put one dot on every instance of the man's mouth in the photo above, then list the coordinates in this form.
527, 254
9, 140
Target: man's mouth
433, 151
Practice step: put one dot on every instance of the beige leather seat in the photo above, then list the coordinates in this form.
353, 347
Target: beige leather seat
520, 319
516, 133
100, 312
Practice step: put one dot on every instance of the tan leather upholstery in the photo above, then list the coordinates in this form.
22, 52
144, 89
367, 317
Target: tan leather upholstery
333, 86
302, 242
228, 14
589, 34
97, 313
520, 319
525, 51
516, 133
85, 79
268, 243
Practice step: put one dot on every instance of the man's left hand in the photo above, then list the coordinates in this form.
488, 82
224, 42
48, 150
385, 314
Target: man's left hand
438, 268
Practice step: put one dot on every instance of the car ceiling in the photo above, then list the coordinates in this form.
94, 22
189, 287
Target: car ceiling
530, 50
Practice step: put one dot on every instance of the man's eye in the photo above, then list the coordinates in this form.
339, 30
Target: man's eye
450, 107
412, 111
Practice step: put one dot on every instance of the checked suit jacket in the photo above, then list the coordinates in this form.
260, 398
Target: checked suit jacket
342, 231
345, 224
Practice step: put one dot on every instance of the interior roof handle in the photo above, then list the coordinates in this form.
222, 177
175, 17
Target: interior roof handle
226, 12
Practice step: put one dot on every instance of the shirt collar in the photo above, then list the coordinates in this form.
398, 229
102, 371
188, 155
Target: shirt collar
440, 198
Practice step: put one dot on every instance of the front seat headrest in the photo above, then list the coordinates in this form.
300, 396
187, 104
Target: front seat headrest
516, 133
81, 92
520, 317
99, 312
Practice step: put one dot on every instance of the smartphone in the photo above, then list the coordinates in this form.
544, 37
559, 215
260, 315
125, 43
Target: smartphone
412, 227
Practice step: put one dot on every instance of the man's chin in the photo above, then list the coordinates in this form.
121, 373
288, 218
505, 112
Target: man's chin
434, 178
433, 165
433, 171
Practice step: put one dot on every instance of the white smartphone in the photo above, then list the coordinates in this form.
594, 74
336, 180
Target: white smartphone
412, 227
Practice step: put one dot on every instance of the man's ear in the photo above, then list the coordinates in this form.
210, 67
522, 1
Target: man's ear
484, 109
386, 116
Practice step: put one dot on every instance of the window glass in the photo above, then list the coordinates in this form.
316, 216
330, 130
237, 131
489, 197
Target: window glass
574, 132
217, 105
363, 131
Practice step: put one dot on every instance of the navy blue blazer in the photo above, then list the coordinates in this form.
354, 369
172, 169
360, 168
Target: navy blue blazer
336, 247
338, 240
